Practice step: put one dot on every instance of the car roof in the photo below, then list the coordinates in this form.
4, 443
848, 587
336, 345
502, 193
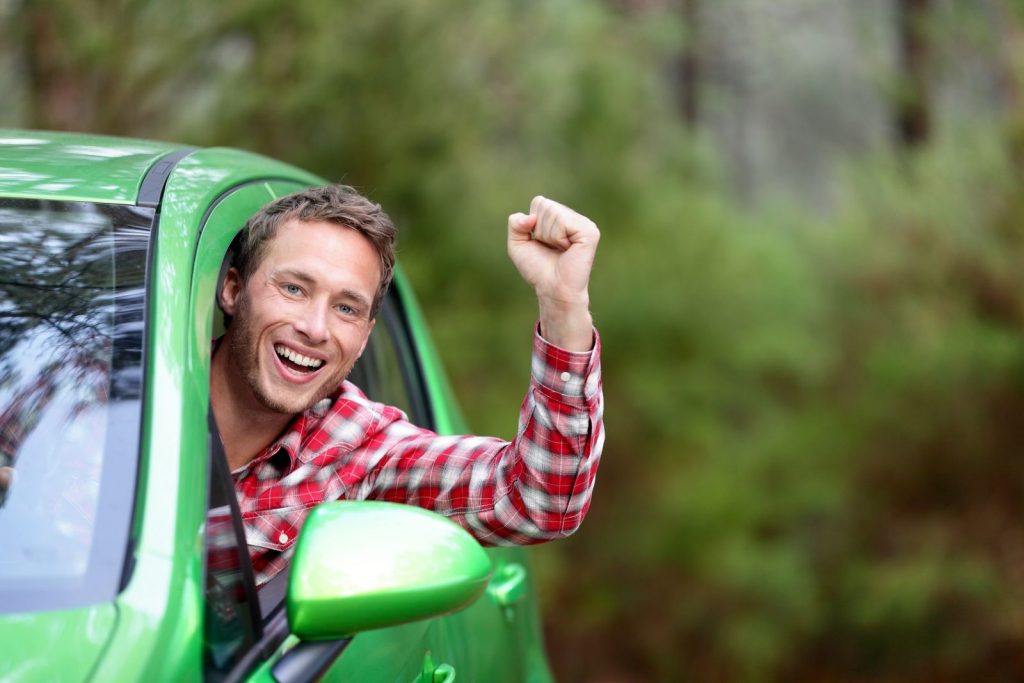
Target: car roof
76, 166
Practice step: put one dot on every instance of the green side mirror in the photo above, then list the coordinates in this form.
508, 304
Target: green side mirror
365, 565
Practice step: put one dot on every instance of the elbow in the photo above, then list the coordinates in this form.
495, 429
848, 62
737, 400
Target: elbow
558, 526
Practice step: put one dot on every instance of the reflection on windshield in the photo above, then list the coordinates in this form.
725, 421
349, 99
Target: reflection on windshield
71, 305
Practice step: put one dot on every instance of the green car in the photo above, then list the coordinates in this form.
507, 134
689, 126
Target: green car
123, 557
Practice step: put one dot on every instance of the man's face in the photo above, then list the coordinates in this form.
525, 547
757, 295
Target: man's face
303, 318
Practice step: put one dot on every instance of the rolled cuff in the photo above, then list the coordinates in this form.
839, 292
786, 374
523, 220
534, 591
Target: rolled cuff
571, 376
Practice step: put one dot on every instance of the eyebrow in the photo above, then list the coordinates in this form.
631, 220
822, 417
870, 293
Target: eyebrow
299, 275
307, 279
356, 298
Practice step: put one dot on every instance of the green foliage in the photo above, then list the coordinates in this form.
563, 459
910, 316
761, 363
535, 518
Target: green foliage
847, 512
813, 424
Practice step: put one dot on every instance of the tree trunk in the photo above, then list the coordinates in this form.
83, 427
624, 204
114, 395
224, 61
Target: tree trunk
690, 64
914, 114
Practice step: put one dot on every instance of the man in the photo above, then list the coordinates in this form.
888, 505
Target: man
300, 300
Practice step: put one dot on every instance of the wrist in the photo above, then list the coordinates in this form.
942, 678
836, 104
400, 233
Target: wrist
567, 325
563, 301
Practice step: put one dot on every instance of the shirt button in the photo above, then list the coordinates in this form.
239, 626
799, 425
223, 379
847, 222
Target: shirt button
566, 377
283, 538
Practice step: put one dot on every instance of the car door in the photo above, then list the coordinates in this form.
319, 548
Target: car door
397, 653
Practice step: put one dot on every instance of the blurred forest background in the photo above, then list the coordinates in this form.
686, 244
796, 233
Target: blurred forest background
809, 285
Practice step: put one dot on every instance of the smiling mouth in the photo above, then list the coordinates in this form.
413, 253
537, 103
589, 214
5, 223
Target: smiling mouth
296, 361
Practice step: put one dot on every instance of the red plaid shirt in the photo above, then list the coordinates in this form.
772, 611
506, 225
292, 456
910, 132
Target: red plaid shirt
533, 489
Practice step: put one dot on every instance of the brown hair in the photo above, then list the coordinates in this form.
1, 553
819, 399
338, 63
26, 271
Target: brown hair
339, 204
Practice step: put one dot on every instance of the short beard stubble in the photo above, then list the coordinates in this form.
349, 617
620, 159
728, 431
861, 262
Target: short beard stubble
245, 351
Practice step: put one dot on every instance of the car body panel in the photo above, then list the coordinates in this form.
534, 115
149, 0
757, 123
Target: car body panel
80, 635
75, 167
396, 654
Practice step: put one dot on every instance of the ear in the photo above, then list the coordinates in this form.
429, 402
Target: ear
230, 291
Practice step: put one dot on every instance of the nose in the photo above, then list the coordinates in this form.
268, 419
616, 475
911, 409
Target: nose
312, 323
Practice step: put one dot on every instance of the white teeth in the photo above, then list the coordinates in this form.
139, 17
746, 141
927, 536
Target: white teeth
297, 358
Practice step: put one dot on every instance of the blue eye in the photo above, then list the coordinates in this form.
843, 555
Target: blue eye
345, 309
294, 290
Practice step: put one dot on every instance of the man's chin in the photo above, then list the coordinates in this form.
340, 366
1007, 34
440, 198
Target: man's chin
288, 404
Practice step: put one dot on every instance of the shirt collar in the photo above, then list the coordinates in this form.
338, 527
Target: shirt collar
295, 434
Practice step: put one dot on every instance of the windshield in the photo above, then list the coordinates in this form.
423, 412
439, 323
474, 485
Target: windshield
71, 323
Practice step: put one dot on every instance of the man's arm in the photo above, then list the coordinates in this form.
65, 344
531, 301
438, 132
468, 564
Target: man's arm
535, 488
538, 486
553, 247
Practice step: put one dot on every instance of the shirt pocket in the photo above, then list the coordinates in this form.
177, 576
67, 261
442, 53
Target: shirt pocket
275, 529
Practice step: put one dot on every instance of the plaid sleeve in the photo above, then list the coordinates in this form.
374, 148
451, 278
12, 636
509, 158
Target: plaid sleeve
537, 487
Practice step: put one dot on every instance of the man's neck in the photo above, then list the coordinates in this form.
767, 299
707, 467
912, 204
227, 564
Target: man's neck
246, 426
